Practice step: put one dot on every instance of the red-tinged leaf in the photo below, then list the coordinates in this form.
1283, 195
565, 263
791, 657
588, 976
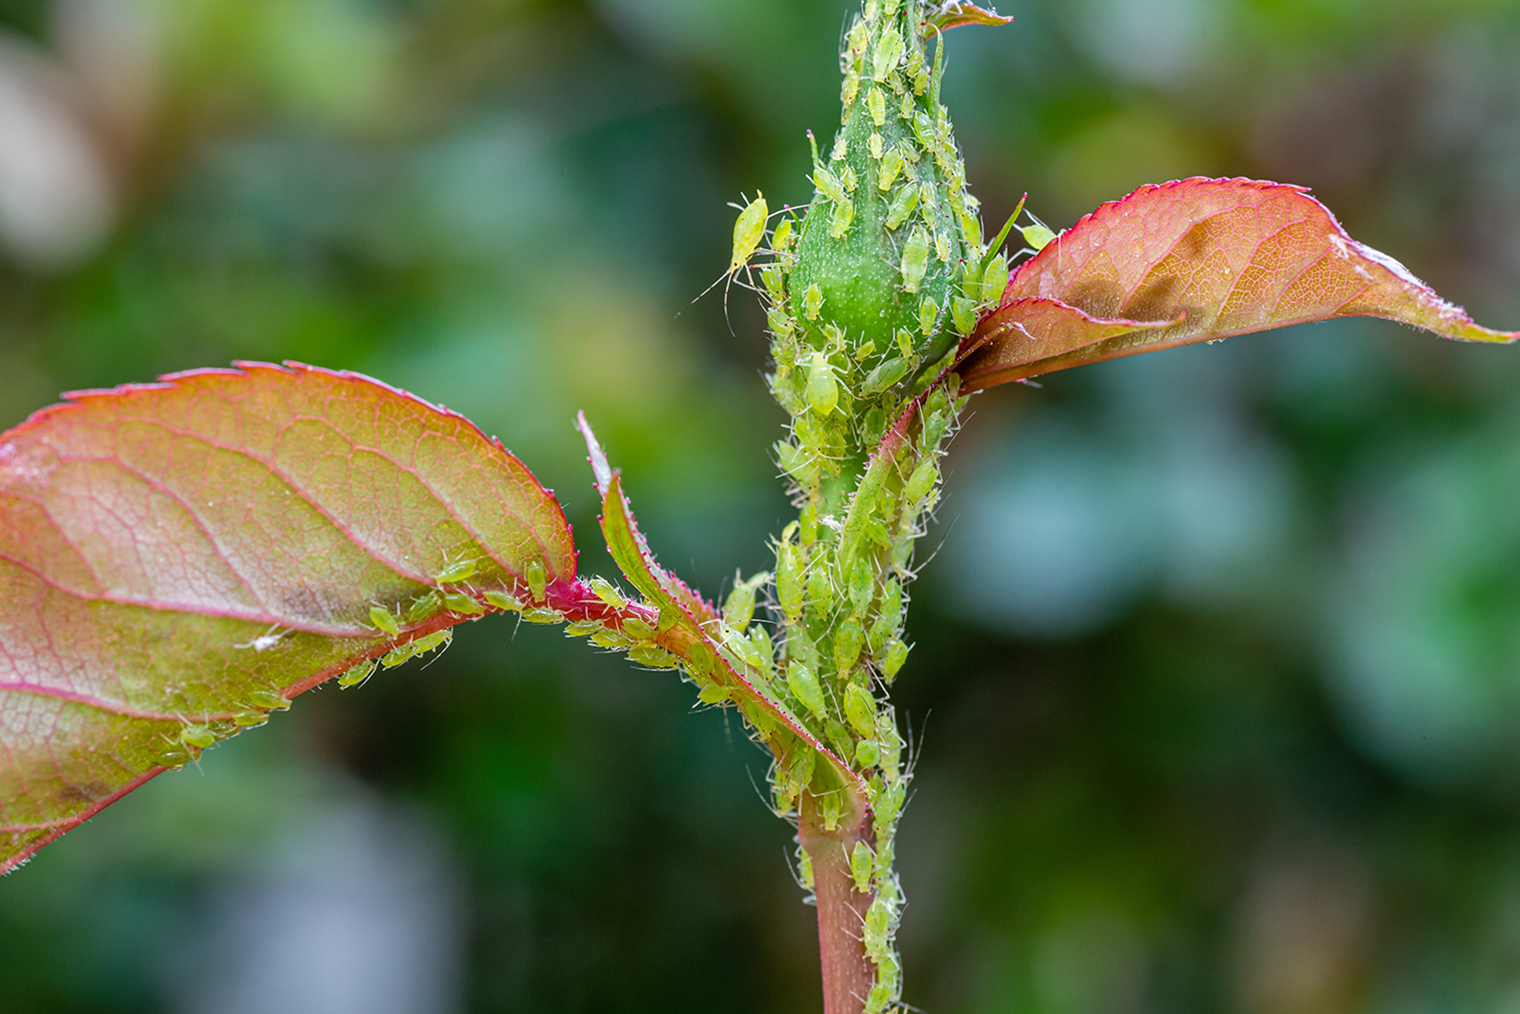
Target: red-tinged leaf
1191, 261
954, 15
689, 626
174, 553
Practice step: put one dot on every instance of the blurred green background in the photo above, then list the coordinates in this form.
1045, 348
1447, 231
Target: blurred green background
1217, 681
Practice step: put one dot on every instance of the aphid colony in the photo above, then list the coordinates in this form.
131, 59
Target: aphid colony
450, 592
867, 297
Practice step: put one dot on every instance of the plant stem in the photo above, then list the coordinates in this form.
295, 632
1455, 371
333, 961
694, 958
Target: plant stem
847, 973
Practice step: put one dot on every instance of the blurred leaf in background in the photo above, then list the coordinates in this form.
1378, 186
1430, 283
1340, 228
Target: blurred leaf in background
1217, 684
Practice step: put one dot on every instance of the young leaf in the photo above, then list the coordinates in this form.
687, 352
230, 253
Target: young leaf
954, 15
177, 559
688, 619
1191, 261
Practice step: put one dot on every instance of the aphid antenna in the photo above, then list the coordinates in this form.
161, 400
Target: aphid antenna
764, 797
915, 747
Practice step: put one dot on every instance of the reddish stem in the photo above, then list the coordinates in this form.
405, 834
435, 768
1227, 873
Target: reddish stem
847, 973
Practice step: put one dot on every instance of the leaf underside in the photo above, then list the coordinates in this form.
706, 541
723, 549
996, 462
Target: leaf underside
175, 553
1192, 261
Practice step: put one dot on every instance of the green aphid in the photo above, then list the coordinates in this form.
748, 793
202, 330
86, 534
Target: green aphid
174, 755
942, 248
855, 42
251, 719
804, 685
715, 695
424, 606
400, 653
608, 593
841, 148
668, 618
197, 737
891, 752
384, 621
867, 753
498, 599
876, 146
936, 421
357, 675
812, 302
928, 206
840, 219
848, 91
655, 658
806, 524
801, 647
876, 103
541, 615
764, 650
456, 572
739, 608
995, 278
862, 862
789, 578
889, 52
780, 322
860, 709
701, 660
800, 772
464, 605
891, 165
922, 480
971, 226
887, 806
866, 351
848, 640
1038, 235
828, 184
903, 206
917, 72
774, 282
897, 654
804, 869
608, 637
928, 316
822, 388
893, 602
741, 652
537, 579
637, 628
781, 238
862, 585
878, 922
749, 230
887, 374
915, 259
881, 872
269, 700
432, 642
820, 590
583, 628
904, 340
923, 129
